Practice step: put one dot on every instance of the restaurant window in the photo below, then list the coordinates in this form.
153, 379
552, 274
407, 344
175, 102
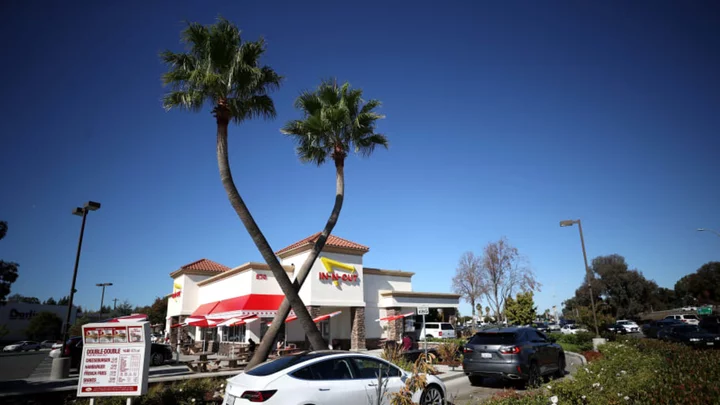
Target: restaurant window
234, 333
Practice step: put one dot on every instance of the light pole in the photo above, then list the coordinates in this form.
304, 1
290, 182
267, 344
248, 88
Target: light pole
571, 222
61, 364
102, 297
709, 230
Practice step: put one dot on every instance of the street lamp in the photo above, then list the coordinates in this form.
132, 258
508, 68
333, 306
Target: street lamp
102, 297
571, 222
709, 230
61, 364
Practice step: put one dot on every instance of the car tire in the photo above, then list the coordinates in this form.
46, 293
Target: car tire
560, 373
157, 359
534, 377
432, 396
428, 336
475, 380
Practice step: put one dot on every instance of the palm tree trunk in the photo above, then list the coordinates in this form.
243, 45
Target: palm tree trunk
261, 243
265, 347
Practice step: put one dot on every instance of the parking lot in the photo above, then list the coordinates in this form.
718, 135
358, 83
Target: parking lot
17, 366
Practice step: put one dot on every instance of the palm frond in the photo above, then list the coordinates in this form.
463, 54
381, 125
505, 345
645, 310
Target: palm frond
219, 65
335, 121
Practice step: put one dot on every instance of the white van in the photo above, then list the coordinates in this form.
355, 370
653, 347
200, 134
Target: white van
686, 318
442, 330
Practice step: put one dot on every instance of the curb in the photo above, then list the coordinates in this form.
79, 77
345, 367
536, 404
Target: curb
451, 375
577, 356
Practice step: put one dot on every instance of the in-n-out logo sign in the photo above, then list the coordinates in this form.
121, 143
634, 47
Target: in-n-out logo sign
330, 274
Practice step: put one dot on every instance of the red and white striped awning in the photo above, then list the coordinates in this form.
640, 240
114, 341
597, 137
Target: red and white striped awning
129, 318
316, 319
395, 317
242, 320
204, 323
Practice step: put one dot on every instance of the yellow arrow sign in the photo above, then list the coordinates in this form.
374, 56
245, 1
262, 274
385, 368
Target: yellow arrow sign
329, 264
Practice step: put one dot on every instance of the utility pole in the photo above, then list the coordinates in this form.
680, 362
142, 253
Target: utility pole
115, 300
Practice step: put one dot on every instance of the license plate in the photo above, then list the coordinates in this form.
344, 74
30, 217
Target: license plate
710, 343
486, 356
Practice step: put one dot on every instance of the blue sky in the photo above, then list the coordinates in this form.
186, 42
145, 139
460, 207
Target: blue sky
503, 119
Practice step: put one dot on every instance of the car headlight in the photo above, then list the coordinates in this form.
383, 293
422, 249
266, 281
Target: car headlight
694, 339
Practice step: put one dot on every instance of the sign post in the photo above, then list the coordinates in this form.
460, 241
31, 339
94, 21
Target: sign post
423, 310
115, 360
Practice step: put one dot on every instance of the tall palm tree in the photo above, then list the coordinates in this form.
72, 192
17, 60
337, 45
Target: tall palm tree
222, 70
336, 120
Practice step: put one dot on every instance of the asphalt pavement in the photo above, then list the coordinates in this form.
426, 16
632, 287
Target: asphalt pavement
18, 366
460, 392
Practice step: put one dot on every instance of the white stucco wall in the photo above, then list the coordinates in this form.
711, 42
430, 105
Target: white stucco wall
228, 287
374, 283
414, 302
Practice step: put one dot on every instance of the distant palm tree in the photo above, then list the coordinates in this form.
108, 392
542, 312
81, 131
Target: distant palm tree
336, 120
223, 71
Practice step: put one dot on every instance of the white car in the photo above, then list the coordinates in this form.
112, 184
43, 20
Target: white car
629, 326
688, 309
23, 346
571, 329
442, 330
552, 326
325, 378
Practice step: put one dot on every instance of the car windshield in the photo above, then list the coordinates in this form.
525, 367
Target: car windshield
690, 317
490, 338
281, 363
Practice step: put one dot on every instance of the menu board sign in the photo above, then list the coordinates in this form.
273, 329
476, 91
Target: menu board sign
115, 359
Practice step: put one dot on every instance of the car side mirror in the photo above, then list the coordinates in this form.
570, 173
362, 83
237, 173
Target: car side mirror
403, 377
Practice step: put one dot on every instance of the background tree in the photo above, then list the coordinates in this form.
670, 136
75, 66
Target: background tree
124, 308
336, 120
487, 311
64, 301
8, 270
522, 309
50, 301
76, 328
468, 280
701, 287
24, 299
222, 70
505, 273
156, 312
44, 326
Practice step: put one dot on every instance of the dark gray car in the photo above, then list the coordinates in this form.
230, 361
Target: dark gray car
519, 354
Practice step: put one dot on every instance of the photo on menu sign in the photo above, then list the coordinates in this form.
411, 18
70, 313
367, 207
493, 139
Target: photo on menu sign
136, 334
105, 335
91, 335
120, 335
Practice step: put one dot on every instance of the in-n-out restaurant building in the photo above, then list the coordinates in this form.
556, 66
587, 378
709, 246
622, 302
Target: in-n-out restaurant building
338, 282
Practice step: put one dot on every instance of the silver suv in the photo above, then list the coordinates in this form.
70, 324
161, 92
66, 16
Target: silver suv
524, 355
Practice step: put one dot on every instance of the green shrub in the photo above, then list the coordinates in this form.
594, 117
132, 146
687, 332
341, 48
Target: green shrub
634, 371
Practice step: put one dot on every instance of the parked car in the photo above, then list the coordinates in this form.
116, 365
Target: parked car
691, 335
689, 319
518, 354
325, 377
541, 326
688, 309
554, 327
710, 324
571, 329
630, 326
159, 353
48, 344
617, 329
651, 329
24, 346
443, 330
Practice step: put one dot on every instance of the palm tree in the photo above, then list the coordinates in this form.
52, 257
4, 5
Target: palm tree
336, 120
222, 70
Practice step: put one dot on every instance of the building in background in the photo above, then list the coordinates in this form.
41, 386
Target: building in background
209, 294
16, 317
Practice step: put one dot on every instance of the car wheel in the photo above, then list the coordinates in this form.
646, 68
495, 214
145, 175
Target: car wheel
157, 359
428, 336
534, 377
432, 396
560, 373
475, 380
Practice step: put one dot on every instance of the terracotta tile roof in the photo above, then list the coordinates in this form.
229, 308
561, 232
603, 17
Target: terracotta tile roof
205, 265
333, 241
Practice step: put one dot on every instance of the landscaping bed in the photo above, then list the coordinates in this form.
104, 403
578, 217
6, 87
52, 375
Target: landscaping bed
633, 371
